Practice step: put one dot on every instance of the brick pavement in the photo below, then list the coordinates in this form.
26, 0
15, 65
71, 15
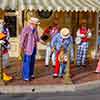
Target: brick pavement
44, 75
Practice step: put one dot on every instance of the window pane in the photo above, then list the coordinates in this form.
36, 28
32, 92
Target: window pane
11, 24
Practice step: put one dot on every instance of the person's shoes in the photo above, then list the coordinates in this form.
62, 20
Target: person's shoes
46, 66
26, 79
55, 75
84, 66
97, 72
61, 76
6, 77
32, 77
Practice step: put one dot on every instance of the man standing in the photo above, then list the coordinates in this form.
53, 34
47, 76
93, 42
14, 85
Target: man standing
29, 38
84, 34
62, 39
51, 32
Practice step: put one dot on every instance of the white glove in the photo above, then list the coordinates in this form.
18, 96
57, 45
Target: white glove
80, 35
2, 41
89, 35
8, 47
65, 58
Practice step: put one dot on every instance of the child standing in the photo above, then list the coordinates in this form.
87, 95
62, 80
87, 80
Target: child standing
62, 57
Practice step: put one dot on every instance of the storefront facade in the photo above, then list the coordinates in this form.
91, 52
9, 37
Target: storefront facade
69, 13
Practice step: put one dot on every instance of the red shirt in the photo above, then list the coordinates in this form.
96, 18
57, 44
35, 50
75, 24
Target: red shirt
52, 30
47, 30
84, 31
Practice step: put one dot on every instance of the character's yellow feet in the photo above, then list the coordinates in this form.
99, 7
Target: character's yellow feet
6, 77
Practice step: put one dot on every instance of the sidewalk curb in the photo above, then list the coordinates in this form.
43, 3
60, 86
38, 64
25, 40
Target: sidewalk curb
38, 88
49, 88
88, 85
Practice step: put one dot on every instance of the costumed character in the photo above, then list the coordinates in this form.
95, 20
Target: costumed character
4, 40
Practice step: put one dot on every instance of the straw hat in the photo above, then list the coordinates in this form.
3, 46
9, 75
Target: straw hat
65, 32
34, 20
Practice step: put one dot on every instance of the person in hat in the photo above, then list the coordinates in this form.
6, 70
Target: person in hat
63, 38
4, 40
84, 33
28, 40
50, 31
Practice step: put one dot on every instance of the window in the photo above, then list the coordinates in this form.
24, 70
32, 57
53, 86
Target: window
11, 22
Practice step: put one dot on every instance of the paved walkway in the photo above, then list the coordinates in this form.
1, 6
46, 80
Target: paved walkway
44, 75
81, 80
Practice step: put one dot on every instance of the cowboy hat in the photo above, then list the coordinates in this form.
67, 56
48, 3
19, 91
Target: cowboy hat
34, 20
65, 32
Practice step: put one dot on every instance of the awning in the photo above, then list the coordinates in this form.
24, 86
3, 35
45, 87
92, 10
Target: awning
8, 4
64, 5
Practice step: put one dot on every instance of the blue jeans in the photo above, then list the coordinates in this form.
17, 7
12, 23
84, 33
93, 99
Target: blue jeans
62, 69
28, 65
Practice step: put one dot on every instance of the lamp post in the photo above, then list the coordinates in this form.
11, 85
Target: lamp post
67, 79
